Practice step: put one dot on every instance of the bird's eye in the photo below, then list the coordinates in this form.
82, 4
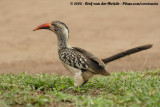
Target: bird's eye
55, 28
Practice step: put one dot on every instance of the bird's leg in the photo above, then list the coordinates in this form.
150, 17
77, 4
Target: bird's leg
78, 79
86, 76
84, 83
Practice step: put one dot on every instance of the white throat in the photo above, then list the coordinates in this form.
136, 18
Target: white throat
62, 38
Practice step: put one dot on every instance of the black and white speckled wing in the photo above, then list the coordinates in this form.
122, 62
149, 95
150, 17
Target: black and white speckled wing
90, 56
73, 59
95, 64
83, 60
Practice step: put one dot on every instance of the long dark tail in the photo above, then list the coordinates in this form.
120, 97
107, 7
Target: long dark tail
125, 53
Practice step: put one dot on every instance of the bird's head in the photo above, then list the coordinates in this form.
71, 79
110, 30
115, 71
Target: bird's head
59, 28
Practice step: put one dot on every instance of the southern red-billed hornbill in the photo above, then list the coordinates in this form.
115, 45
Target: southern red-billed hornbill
81, 63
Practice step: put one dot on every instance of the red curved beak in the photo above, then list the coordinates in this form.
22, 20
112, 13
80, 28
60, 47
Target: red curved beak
43, 26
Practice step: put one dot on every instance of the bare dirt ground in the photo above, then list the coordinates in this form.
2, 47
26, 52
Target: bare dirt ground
102, 30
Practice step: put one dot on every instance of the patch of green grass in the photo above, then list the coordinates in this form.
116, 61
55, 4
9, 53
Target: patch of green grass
119, 89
